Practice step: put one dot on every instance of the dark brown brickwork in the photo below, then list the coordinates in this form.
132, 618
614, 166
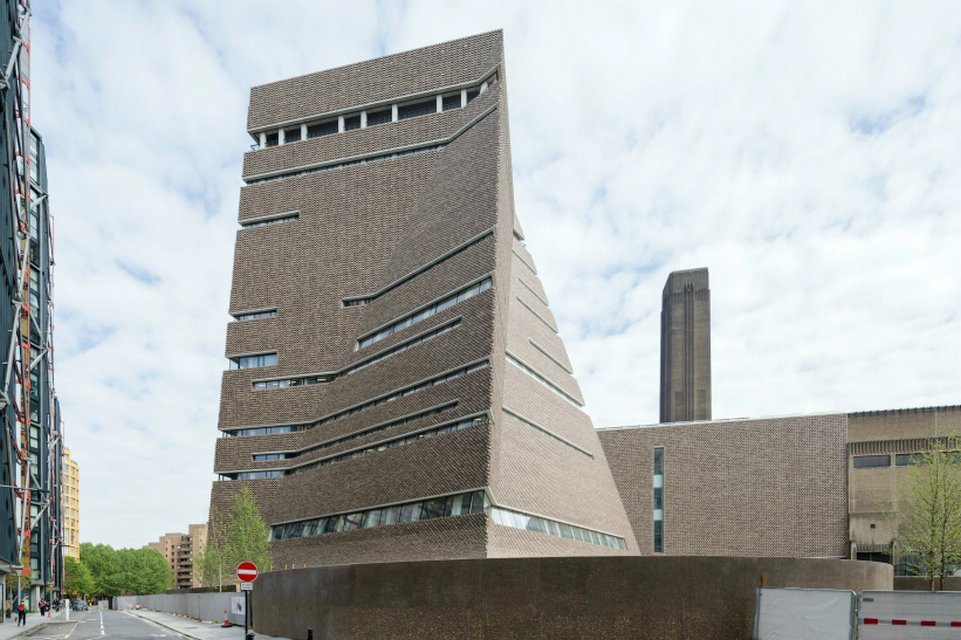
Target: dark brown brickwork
556, 598
764, 487
457, 62
401, 233
686, 347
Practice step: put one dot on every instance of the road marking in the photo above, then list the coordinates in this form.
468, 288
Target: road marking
101, 624
75, 625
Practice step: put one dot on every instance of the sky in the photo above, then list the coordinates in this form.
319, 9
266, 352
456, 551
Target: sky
806, 153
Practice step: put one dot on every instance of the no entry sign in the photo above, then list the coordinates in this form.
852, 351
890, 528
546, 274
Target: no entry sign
247, 572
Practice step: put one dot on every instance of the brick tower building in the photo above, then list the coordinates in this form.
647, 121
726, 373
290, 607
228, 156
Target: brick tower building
686, 347
397, 386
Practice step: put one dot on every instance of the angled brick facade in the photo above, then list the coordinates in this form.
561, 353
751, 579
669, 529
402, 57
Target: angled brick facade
395, 351
742, 487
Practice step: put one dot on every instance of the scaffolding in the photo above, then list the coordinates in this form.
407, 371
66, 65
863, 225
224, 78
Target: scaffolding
27, 402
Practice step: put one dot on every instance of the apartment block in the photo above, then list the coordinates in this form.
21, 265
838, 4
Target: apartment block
180, 549
397, 388
31, 443
70, 501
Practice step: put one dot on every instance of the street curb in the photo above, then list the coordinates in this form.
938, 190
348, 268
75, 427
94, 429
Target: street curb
167, 626
41, 625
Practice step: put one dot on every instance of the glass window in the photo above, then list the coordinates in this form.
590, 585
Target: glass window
379, 117
322, 129
292, 135
452, 101
256, 315
272, 139
658, 498
354, 521
658, 536
472, 93
259, 360
659, 461
34, 223
444, 305
866, 462
352, 122
436, 508
417, 109
904, 459
422, 315
373, 519
391, 515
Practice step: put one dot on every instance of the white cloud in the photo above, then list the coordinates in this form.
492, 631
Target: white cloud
806, 153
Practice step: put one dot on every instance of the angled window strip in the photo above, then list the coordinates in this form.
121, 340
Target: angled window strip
367, 299
367, 157
519, 520
367, 449
317, 378
459, 504
366, 431
489, 77
426, 311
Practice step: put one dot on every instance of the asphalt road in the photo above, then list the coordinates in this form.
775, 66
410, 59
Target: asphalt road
96, 624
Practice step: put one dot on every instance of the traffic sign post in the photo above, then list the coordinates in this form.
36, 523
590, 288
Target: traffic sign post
247, 572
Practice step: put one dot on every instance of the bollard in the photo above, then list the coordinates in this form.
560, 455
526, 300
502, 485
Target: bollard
250, 635
310, 634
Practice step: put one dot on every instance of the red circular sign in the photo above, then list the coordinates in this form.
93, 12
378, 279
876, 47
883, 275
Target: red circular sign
247, 572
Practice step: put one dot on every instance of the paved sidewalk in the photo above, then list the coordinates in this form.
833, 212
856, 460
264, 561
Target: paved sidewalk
9, 628
194, 629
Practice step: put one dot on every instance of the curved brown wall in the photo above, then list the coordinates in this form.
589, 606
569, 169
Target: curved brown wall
660, 598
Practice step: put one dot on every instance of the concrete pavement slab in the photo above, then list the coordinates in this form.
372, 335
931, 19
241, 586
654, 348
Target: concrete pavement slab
9, 628
194, 629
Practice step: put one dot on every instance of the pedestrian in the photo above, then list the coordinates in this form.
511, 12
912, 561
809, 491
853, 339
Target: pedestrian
21, 614
42, 605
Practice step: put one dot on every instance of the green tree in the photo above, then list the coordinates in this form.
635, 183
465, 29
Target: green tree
929, 520
243, 535
104, 566
144, 571
77, 581
126, 571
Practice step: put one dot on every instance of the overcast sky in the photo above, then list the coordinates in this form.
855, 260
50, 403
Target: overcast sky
806, 152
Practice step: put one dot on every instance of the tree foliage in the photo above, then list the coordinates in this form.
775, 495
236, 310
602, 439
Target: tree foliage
126, 571
242, 536
929, 520
78, 581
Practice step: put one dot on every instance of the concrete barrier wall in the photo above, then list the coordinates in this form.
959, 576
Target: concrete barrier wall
662, 598
912, 583
201, 606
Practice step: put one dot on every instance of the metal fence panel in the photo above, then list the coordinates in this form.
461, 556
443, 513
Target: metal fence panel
802, 614
909, 615
202, 606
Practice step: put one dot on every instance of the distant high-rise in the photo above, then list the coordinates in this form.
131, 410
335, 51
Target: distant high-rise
180, 549
70, 500
397, 388
686, 347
